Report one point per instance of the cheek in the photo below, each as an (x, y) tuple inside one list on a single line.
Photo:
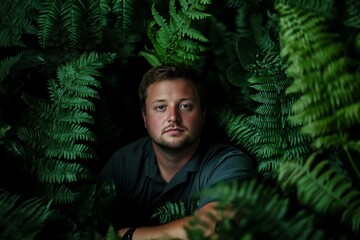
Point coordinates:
[(153, 122), (194, 120)]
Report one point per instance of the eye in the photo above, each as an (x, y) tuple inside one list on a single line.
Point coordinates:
[(160, 108), (186, 107)]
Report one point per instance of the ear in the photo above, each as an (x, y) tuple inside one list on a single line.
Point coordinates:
[(143, 114)]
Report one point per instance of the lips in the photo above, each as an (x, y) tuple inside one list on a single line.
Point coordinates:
[(174, 130)]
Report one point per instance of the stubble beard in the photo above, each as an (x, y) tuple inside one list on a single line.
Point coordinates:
[(174, 148)]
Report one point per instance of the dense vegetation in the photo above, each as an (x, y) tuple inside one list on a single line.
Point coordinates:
[(283, 76)]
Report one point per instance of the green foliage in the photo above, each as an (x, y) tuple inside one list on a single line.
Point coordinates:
[(5, 67), (176, 41), (172, 211), (112, 234), (16, 21), (325, 99), (266, 133), (324, 7), (85, 24), (261, 213), (291, 102), (21, 219), (316, 83), (332, 192), (352, 13), (63, 138)]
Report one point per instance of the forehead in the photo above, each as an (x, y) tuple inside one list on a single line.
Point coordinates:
[(172, 88)]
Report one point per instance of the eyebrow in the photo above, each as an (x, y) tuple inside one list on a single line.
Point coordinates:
[(179, 100)]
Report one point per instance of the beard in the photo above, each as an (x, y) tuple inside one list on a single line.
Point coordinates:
[(171, 147)]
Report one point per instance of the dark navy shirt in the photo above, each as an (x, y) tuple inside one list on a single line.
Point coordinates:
[(141, 190)]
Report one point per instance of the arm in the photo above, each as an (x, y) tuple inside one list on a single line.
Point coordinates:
[(176, 229)]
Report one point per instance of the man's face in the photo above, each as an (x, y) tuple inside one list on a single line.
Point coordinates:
[(173, 116)]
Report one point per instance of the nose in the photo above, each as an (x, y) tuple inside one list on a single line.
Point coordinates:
[(173, 114)]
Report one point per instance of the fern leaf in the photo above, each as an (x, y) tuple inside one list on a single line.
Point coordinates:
[(175, 40), (170, 211), (7, 64), (125, 12), (252, 203), (60, 194), (62, 172), (266, 133), (99, 11), (328, 89), (62, 139), (320, 187), (71, 14), (16, 21), (50, 12), (324, 7), (352, 18), (21, 219)]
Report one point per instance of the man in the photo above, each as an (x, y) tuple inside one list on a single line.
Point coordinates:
[(172, 164)]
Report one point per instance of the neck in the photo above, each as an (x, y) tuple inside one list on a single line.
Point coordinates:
[(170, 161)]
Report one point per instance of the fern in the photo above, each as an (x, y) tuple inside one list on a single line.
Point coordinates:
[(172, 211), (63, 137), (77, 24), (71, 14), (50, 12), (5, 66), (125, 13), (21, 219), (325, 190), (16, 21), (324, 7), (176, 41), (259, 213), (352, 13), (328, 106), (266, 134)]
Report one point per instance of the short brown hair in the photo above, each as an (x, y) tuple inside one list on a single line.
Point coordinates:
[(171, 72)]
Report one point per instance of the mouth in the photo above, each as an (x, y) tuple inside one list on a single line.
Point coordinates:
[(174, 130)]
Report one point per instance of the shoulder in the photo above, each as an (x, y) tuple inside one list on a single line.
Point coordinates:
[(127, 159), (213, 149), (222, 158), (141, 145)]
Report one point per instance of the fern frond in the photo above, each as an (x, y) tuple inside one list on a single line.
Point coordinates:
[(98, 17), (21, 219), (324, 7), (194, 9), (50, 12), (16, 21), (59, 194), (256, 204), (63, 137), (320, 187), (71, 14), (6, 64), (63, 150), (175, 40), (125, 14), (62, 172), (352, 17), (267, 133), (170, 211), (328, 89)]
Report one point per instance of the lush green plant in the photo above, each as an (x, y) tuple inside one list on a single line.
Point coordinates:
[(283, 80)]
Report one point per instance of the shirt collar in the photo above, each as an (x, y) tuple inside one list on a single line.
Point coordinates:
[(193, 165)]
